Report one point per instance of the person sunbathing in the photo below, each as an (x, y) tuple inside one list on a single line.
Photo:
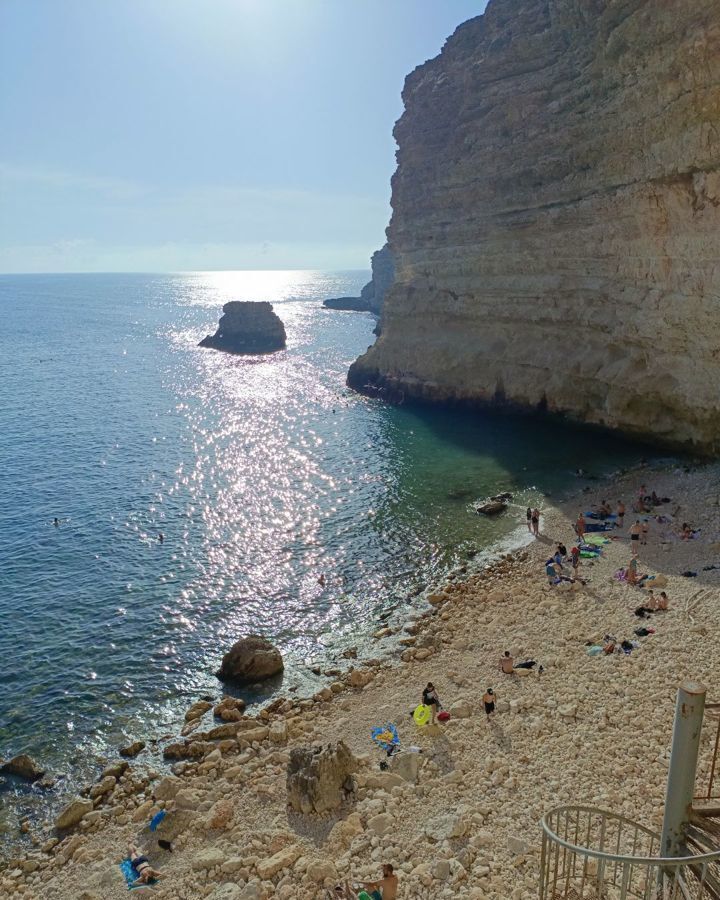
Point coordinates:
[(141, 865), (507, 663), (662, 602)]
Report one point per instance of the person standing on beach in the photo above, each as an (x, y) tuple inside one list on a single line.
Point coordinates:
[(489, 702), (536, 522), (644, 533), (575, 562), (528, 516), (621, 513), (635, 532), (580, 527), (431, 699)]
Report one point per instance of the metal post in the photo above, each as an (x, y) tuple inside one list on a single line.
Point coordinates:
[(689, 711)]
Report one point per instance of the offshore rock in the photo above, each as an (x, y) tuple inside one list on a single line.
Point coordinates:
[(556, 219), (250, 659), (247, 327), (317, 777)]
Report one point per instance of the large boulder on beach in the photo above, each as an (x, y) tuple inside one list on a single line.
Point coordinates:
[(72, 813), (247, 327), (318, 777), (23, 766), (252, 658)]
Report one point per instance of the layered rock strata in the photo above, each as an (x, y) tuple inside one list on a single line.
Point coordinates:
[(372, 296), (247, 327), (556, 219)]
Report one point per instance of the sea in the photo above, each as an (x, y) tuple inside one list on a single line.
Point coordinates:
[(261, 473)]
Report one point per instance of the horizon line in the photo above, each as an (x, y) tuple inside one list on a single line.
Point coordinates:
[(179, 271)]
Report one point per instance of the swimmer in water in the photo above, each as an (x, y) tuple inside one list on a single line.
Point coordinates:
[(321, 581), (56, 522), (161, 537)]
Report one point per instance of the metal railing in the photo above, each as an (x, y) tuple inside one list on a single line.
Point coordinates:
[(709, 772), (590, 854)]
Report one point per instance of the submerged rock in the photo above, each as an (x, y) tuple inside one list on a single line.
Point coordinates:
[(23, 766), (133, 749), (247, 327), (252, 658)]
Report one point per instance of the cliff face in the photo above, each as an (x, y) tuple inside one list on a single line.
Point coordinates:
[(383, 273), (372, 296), (556, 218)]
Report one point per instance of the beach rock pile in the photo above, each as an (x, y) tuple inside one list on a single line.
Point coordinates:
[(318, 779), (252, 658), (247, 327)]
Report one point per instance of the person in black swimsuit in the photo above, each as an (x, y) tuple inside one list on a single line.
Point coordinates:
[(141, 864), (489, 701)]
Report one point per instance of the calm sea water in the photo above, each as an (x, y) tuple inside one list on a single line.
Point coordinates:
[(261, 473)]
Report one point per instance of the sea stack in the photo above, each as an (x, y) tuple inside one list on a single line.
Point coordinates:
[(247, 327), (556, 219)]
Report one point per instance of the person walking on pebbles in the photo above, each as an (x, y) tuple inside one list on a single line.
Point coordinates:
[(535, 520), (489, 703), (580, 528)]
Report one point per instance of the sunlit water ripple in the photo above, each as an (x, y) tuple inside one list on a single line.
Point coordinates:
[(261, 472)]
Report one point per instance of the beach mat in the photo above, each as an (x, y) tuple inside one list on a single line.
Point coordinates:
[(597, 540), (598, 526), (130, 875)]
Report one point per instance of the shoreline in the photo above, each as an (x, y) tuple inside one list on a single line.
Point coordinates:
[(498, 780)]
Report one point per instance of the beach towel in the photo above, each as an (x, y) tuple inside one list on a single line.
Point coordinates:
[(598, 540), (595, 650), (157, 819), (130, 875), (598, 526)]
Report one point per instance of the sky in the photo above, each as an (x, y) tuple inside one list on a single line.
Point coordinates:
[(183, 135)]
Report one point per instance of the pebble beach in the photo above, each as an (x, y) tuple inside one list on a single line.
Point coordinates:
[(587, 729)]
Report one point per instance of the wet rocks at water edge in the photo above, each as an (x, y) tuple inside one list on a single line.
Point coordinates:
[(247, 327), (251, 659), (23, 766)]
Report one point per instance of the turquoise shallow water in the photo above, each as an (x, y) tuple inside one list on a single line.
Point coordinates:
[(261, 473)]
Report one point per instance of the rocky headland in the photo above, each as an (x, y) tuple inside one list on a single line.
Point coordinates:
[(372, 296), (286, 803), (556, 219), (247, 327)]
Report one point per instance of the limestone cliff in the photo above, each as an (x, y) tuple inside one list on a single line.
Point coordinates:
[(372, 296), (556, 218)]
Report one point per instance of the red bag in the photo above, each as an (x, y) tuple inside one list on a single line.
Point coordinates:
[(443, 716)]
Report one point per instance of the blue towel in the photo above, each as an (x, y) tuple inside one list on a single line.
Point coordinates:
[(157, 819), (130, 875)]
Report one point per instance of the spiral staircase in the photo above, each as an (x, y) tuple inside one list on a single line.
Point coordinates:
[(593, 854)]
